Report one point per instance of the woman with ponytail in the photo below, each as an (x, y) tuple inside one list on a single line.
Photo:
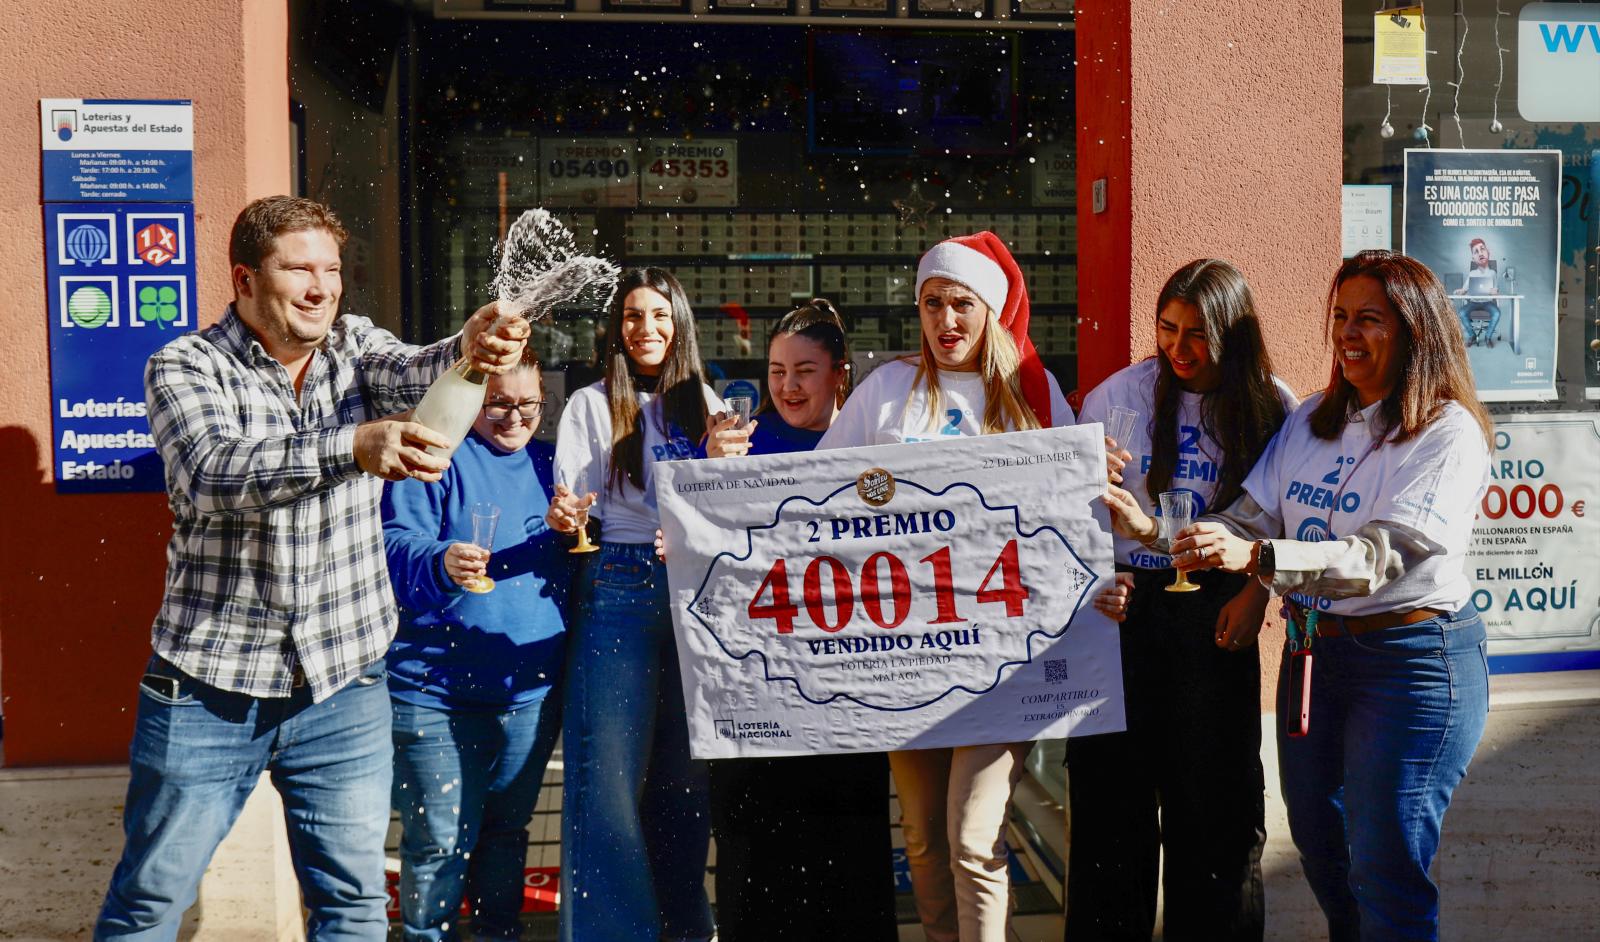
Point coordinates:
[(978, 374), (803, 849)]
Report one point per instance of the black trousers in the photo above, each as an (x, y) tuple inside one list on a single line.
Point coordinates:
[(803, 849), (1185, 778)]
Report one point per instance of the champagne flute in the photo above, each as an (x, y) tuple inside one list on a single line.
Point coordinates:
[(1177, 512), (585, 545), (485, 518)]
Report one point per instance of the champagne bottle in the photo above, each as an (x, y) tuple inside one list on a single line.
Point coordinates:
[(452, 403)]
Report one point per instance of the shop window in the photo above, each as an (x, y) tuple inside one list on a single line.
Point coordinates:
[(1504, 127)]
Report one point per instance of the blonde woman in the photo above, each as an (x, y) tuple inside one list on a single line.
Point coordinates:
[(978, 374)]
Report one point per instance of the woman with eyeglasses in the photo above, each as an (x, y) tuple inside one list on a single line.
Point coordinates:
[(472, 673)]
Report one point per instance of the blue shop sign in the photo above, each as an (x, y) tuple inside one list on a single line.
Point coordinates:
[(120, 280)]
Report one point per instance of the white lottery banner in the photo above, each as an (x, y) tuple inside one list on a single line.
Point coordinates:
[(893, 596)]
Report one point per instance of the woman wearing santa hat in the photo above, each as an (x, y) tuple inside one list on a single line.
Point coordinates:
[(978, 374)]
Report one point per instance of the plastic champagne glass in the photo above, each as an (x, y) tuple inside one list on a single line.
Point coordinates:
[(1177, 512), (1119, 425), (740, 406), (485, 518)]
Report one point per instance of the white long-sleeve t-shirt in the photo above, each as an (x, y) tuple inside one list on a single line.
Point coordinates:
[(627, 514)]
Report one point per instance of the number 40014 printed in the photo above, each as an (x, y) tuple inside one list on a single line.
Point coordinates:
[(893, 596)]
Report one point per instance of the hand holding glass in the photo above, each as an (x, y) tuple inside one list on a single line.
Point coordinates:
[(1119, 425), (485, 517), (584, 544), (1177, 512), (740, 406)]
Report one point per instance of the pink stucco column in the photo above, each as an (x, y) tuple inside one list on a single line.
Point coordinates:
[(1218, 127), (81, 576)]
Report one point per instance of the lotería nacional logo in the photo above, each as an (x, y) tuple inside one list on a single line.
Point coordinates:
[(730, 727), (876, 486)]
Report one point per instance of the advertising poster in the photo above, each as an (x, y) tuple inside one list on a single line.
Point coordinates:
[(1488, 222), (894, 596), (117, 180), (676, 172), (1367, 218), (585, 172), (1558, 63), (1055, 176), (497, 171), (1535, 556)]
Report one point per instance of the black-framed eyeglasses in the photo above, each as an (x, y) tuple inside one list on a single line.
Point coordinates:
[(529, 409)]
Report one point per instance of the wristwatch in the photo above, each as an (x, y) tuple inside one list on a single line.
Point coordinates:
[(1266, 562)]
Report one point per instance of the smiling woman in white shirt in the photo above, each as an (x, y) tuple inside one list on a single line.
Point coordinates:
[(1184, 779), (1361, 512), (978, 374), (636, 821)]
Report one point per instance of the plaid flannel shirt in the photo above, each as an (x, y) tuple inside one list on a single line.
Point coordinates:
[(276, 557)]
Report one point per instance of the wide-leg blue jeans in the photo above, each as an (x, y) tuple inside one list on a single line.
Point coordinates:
[(465, 784), (636, 823), (1395, 718), (196, 756)]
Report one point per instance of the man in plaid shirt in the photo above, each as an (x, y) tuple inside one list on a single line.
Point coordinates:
[(278, 425)]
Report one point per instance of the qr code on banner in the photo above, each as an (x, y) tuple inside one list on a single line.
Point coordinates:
[(1055, 672)]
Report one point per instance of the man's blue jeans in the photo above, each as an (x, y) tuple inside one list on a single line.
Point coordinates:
[(197, 754), (1395, 718), (465, 784), (637, 821)]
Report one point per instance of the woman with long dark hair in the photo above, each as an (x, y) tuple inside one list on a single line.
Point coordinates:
[(1185, 777), (635, 822), (803, 850), (1360, 512)]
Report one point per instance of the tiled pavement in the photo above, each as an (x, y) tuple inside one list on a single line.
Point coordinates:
[(1036, 889)]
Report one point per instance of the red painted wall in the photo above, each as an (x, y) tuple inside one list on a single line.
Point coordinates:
[(1105, 152), (81, 575)]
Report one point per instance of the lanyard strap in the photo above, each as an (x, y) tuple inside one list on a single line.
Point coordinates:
[(1300, 635)]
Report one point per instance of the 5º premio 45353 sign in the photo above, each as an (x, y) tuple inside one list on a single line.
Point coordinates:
[(898, 596)]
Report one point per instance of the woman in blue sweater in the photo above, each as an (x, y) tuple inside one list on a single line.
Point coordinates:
[(471, 674)]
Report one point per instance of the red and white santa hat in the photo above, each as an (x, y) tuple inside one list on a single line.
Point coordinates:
[(982, 263)]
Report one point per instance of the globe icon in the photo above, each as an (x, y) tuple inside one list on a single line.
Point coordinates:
[(89, 307), (88, 244)]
